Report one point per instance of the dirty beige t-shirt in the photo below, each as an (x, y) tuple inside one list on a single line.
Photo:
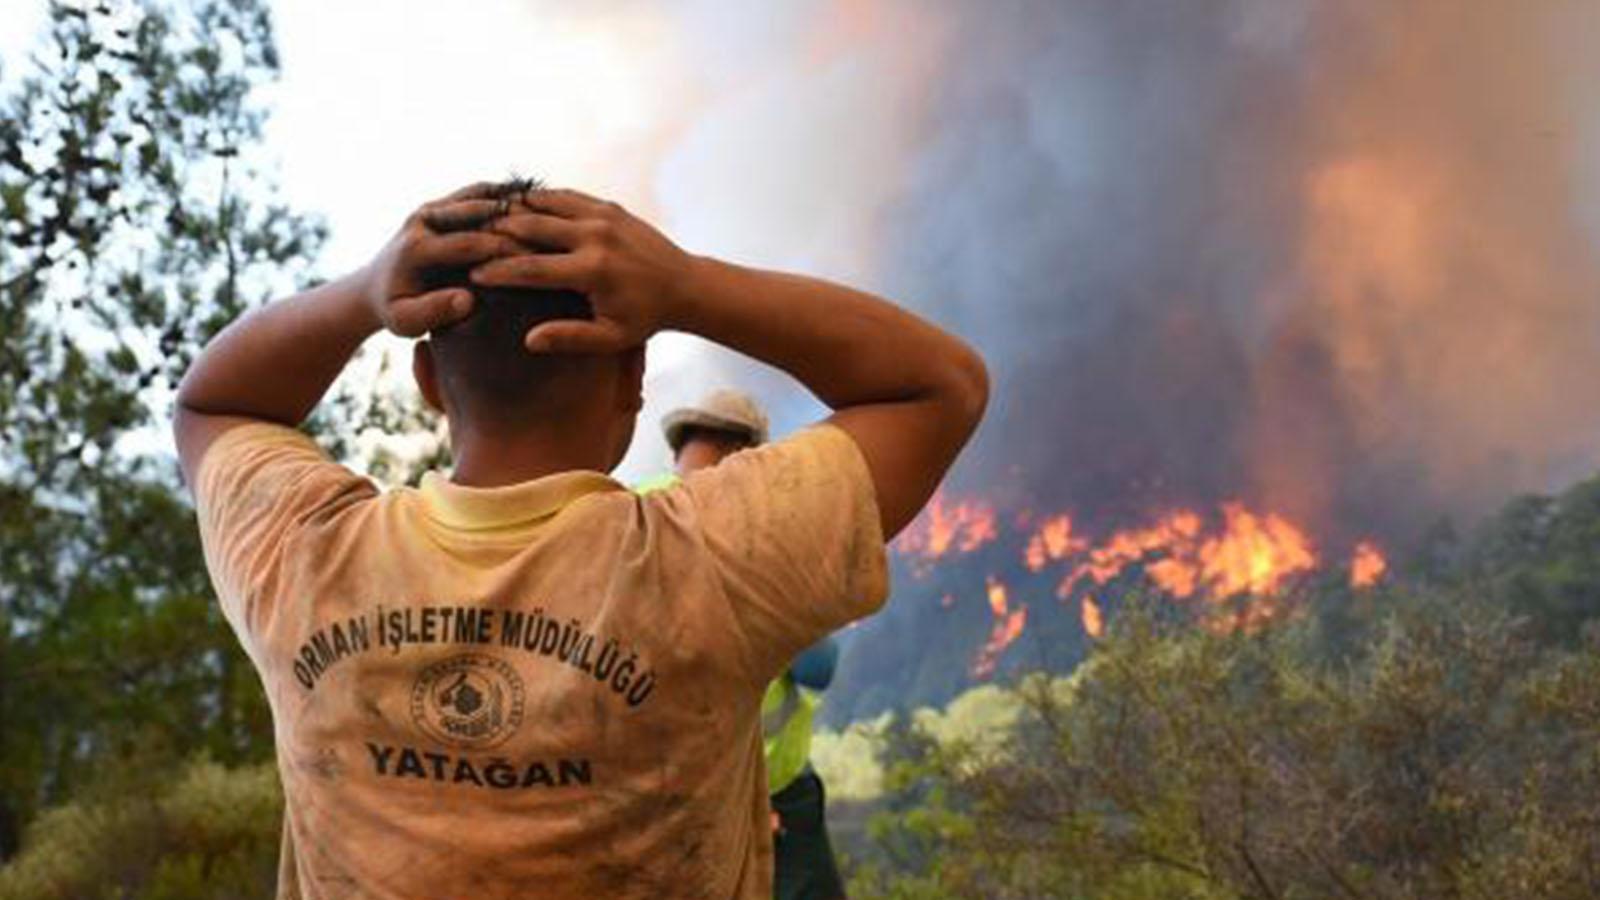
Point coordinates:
[(550, 689)]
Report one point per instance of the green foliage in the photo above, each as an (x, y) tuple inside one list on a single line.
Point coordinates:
[(1451, 756), (847, 760), (132, 233), (1537, 559), (205, 832), (137, 223)]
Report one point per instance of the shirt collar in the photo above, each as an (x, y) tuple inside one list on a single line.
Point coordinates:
[(481, 509)]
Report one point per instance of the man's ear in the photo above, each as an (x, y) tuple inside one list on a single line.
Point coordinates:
[(427, 375), (630, 387)]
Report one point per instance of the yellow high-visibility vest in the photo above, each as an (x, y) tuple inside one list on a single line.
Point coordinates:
[(787, 711), (656, 483)]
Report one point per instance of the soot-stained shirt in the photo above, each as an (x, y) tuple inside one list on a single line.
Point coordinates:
[(548, 689)]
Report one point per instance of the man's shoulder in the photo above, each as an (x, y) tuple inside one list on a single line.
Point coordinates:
[(261, 470)]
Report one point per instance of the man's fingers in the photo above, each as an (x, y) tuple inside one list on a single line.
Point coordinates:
[(416, 316), (540, 231), (563, 202), (535, 270), (576, 337), (478, 190), (464, 248), (460, 215)]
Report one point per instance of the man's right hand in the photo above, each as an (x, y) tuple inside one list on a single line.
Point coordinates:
[(631, 273)]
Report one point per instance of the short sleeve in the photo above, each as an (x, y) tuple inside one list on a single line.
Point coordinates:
[(257, 487), (794, 530)]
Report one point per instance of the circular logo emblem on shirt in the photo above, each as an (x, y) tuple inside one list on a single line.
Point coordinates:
[(472, 701)]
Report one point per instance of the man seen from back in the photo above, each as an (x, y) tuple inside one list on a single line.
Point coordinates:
[(520, 678)]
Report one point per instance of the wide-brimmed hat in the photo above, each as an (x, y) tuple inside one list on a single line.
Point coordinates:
[(723, 409)]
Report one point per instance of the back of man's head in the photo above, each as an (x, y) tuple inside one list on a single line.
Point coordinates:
[(488, 377), (479, 372)]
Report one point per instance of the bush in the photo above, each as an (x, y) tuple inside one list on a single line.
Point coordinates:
[(1450, 757), (207, 832)]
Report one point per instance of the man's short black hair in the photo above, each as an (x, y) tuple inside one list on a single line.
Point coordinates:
[(484, 370)]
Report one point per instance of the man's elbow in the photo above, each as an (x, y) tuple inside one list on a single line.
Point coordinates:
[(183, 405), (185, 397), (968, 387), (201, 394)]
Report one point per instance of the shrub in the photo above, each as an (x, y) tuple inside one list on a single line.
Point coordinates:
[(208, 831), (1449, 756)]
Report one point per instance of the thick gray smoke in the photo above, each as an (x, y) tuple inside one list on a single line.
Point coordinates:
[(1330, 258)]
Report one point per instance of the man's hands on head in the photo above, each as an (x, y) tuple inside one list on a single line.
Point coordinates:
[(632, 275)]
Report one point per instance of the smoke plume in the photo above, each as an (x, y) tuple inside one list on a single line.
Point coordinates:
[(1331, 259)]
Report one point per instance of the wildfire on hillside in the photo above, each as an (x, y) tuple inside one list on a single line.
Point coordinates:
[(1252, 554), (1235, 567), (1052, 542), (1367, 566), (1008, 626), (1094, 623), (946, 529)]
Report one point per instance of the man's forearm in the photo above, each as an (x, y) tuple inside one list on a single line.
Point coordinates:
[(908, 394), (848, 347), (277, 362)]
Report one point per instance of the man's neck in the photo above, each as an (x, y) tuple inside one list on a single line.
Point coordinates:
[(486, 461)]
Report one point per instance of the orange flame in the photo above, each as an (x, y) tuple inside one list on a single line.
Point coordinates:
[(997, 598), (1367, 565), (1052, 542), (1008, 626), (940, 529), (1094, 624), (1241, 566), (1173, 534), (1256, 555), (1253, 554)]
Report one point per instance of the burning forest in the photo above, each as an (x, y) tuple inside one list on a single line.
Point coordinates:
[(1233, 569), (1270, 290)]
